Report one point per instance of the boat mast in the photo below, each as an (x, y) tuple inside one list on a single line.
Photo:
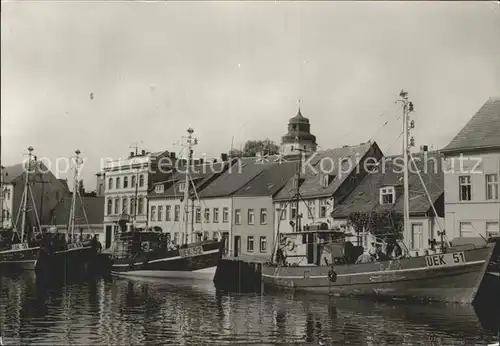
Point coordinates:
[(406, 148), (190, 142), (25, 194), (75, 191)]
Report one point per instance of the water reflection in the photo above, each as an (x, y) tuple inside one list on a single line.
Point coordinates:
[(158, 312)]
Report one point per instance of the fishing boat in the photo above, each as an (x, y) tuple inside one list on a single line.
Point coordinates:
[(63, 254), (321, 259), (18, 249), (149, 253)]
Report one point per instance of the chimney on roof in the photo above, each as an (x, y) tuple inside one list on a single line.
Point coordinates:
[(201, 161), (131, 154), (143, 152), (223, 157), (424, 148), (172, 156)]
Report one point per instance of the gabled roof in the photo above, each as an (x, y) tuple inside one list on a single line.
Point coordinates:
[(330, 161), (270, 181), (13, 172), (10, 173), (241, 172), (94, 208), (481, 132), (366, 196), (200, 175)]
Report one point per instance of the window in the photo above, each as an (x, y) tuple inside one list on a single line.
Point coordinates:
[(140, 206), (250, 243), (117, 182), (323, 208), (207, 215), (57, 195), (387, 195), (141, 180), (326, 180), (225, 215), (263, 244), (198, 215), (132, 206), (216, 215), (152, 217), (206, 234), (125, 182), (124, 205), (160, 213), (263, 216), (117, 206), (282, 211), (417, 236), (132, 182), (492, 229), (110, 184), (466, 229), (176, 237), (159, 188), (237, 217), (182, 186), (110, 207), (311, 209), (167, 213), (464, 188), (177, 212), (491, 186), (293, 212), (251, 217)]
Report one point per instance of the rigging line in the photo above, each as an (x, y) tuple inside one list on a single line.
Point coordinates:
[(34, 207), (386, 122), (390, 146), (84, 212)]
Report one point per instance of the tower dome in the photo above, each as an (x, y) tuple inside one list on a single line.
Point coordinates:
[(298, 136)]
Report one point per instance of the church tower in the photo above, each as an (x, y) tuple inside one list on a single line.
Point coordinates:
[(298, 136)]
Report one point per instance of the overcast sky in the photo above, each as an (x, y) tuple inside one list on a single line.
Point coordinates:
[(238, 69)]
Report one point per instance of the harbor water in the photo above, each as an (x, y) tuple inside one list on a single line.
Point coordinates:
[(154, 312)]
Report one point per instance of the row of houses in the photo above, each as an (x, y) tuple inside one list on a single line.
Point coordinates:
[(247, 199)]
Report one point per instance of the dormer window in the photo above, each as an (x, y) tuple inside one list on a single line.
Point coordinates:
[(326, 180), (387, 195), (297, 183), (159, 188), (182, 186)]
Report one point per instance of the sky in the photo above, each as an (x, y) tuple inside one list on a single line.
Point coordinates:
[(235, 71)]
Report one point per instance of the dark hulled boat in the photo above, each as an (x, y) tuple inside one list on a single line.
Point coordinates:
[(63, 255), (453, 276), (20, 256), (19, 249), (142, 253)]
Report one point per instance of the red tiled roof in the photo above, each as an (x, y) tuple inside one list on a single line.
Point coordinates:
[(481, 132)]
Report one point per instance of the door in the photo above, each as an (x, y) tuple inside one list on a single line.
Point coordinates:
[(417, 236), (109, 232), (310, 248), (237, 245)]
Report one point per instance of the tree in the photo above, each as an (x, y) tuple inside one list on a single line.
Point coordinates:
[(235, 153), (384, 224), (251, 148)]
